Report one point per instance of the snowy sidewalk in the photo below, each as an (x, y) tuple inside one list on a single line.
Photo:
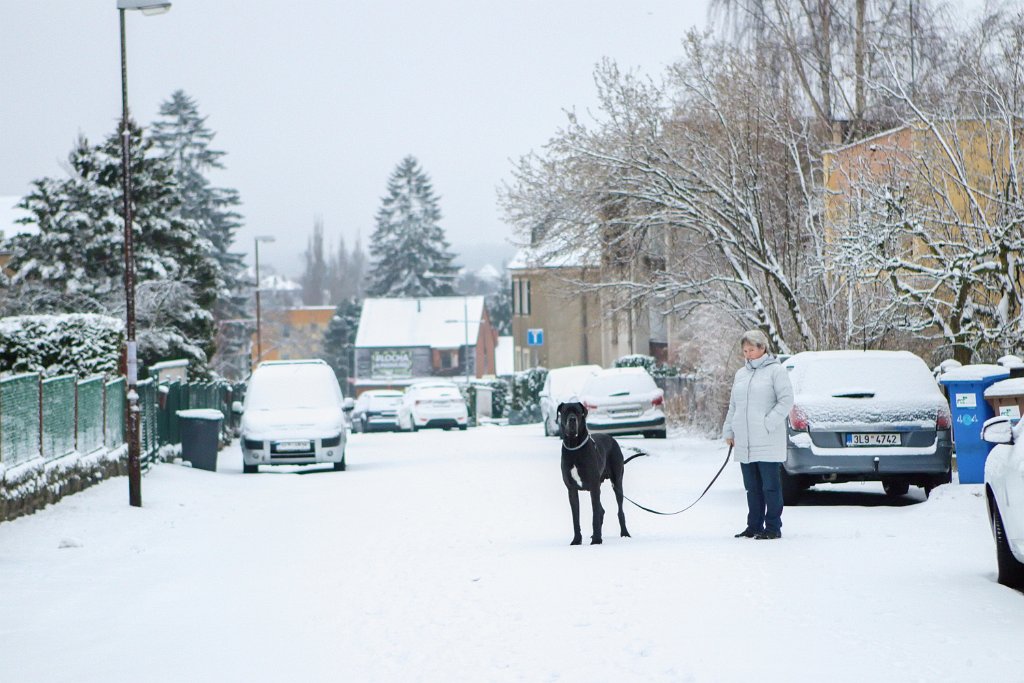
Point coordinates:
[(444, 556)]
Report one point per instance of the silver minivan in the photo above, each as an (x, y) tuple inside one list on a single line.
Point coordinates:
[(293, 414)]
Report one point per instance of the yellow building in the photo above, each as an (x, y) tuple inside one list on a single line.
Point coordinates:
[(293, 333)]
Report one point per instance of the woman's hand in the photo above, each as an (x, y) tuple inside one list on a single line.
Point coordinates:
[(731, 442)]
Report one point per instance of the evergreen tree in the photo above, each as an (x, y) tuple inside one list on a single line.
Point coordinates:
[(340, 338), (182, 136), (77, 254), (315, 277), (499, 306), (338, 273), (410, 254)]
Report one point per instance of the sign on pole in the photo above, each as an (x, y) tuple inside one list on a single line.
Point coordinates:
[(535, 337)]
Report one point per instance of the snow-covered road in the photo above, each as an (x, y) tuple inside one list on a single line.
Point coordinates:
[(444, 556)]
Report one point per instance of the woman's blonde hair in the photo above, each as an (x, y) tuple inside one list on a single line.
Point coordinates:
[(755, 338)]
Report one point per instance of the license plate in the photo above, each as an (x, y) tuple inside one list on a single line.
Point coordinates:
[(889, 439), (293, 446)]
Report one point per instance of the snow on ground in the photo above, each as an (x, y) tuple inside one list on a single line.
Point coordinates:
[(444, 556)]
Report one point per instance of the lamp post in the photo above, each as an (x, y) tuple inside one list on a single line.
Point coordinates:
[(259, 338), (131, 355)]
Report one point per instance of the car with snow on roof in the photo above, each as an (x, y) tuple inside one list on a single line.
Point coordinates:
[(1004, 496), (432, 404), (376, 410), (623, 401), (865, 416), (293, 414), (561, 385)]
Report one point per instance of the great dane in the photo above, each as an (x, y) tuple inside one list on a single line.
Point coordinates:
[(587, 460)]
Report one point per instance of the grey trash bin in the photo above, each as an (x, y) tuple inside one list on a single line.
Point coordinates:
[(200, 437)]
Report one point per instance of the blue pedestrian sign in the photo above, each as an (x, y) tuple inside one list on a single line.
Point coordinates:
[(535, 337)]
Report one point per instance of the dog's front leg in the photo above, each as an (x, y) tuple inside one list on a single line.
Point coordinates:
[(574, 503), (595, 502)]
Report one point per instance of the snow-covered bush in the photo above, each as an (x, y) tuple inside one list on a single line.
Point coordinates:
[(81, 344), (525, 404), (648, 363)]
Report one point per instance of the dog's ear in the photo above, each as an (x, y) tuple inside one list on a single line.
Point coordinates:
[(558, 411), (584, 407)]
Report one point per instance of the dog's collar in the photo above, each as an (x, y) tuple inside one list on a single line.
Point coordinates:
[(582, 444)]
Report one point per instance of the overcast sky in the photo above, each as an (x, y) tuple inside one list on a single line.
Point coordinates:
[(315, 102)]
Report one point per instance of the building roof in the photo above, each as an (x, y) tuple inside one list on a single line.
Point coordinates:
[(436, 322), (553, 254)]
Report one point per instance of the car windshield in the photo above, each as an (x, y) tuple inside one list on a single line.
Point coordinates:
[(866, 377), (286, 387), (619, 384), (437, 392)]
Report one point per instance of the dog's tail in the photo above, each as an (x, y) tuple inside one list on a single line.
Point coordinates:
[(637, 454)]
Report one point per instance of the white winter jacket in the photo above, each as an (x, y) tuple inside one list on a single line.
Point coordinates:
[(761, 399)]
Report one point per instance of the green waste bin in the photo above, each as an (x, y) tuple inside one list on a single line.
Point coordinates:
[(200, 436)]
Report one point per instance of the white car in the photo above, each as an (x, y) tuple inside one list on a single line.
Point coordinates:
[(293, 414), (1004, 494), (376, 410), (562, 385), (624, 401), (432, 404)]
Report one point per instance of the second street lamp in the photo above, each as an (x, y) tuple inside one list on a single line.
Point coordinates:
[(259, 331), (131, 352)]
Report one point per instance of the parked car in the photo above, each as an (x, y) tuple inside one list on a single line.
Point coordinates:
[(562, 385), (624, 401), (432, 404), (865, 416), (1004, 496), (293, 414), (376, 411)]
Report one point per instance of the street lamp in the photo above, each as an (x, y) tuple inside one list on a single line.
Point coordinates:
[(259, 338), (131, 355)]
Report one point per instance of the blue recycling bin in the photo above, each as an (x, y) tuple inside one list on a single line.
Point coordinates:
[(966, 387)]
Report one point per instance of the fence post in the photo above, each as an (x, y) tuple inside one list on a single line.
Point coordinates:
[(40, 385)]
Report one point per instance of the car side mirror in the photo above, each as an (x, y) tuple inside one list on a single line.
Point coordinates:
[(348, 405), (236, 407), (998, 430)]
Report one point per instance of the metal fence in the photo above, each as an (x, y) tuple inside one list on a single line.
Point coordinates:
[(54, 417)]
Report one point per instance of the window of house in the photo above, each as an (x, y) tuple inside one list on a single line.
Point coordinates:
[(449, 360), (528, 302)]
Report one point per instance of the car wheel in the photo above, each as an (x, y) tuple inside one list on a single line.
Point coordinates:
[(412, 426), (894, 488), (340, 466), (936, 482), (250, 469), (663, 434), (463, 428), (547, 427), (1011, 572), (792, 488)]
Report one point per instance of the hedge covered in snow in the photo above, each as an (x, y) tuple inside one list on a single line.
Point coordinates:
[(82, 344)]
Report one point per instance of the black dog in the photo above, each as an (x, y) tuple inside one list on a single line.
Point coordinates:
[(587, 460)]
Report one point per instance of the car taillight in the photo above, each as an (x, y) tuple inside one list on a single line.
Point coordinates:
[(589, 406), (943, 420), (658, 401), (418, 402), (798, 419)]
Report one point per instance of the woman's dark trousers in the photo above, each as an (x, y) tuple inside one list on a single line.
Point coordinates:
[(762, 480)]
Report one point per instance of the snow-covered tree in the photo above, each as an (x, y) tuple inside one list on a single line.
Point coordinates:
[(340, 338), (346, 272), (410, 255), (182, 135), (77, 253)]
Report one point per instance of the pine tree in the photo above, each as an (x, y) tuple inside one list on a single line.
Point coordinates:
[(314, 277), (340, 338), (338, 272), (182, 135), (77, 254), (410, 254)]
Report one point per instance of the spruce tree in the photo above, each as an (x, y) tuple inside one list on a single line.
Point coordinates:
[(410, 254), (182, 135)]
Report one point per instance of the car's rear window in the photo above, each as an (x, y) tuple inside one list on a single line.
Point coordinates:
[(569, 380), (385, 401), (879, 376), (609, 385)]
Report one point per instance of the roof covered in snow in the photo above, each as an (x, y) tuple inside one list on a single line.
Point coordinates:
[(554, 254), (436, 322), (278, 283)]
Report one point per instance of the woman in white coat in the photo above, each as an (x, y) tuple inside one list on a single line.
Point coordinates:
[(756, 429)]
